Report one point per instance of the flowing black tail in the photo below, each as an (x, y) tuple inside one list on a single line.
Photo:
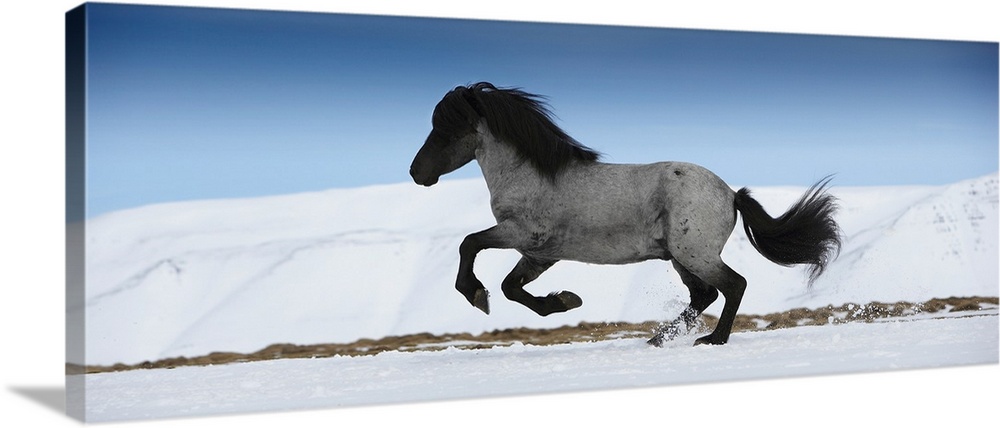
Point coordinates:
[(805, 234)]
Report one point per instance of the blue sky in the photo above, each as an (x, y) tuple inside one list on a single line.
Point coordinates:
[(195, 103)]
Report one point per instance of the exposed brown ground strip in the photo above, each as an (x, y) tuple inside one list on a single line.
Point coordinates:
[(583, 332)]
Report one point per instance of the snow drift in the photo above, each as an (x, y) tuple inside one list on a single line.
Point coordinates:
[(186, 279)]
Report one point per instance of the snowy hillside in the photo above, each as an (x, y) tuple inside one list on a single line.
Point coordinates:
[(190, 278)]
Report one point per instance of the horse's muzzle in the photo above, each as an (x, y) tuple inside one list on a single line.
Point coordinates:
[(422, 178), (426, 182)]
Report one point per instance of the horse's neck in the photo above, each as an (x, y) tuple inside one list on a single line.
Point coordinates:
[(504, 170)]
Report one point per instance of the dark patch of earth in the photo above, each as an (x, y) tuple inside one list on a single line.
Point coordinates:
[(583, 332)]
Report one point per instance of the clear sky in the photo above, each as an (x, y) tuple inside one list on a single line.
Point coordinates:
[(195, 103)]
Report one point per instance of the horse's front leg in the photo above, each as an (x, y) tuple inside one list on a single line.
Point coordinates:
[(498, 236)]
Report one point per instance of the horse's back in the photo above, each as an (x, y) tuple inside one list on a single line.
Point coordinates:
[(690, 186), (679, 187)]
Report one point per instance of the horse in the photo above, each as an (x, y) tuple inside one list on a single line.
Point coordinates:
[(554, 199)]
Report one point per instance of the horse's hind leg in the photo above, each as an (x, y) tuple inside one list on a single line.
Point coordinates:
[(702, 295), (526, 270), (731, 285)]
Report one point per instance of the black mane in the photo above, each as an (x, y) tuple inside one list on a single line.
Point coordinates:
[(525, 122)]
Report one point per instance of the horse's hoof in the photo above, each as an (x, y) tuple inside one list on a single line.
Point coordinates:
[(569, 299), (657, 340), (481, 300), (709, 340)]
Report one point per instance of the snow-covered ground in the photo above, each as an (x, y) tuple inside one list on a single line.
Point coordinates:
[(395, 377), (191, 278)]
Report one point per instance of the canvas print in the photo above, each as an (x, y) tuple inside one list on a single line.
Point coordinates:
[(273, 211)]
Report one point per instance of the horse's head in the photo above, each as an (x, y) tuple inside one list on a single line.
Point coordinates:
[(511, 116), (453, 139)]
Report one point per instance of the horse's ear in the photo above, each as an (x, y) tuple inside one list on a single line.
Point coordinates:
[(468, 103)]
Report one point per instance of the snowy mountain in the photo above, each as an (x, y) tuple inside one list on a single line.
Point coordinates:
[(190, 278)]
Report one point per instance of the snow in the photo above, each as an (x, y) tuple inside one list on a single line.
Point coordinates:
[(392, 377), (187, 279)]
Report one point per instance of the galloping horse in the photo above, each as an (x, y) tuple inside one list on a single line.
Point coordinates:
[(554, 200)]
